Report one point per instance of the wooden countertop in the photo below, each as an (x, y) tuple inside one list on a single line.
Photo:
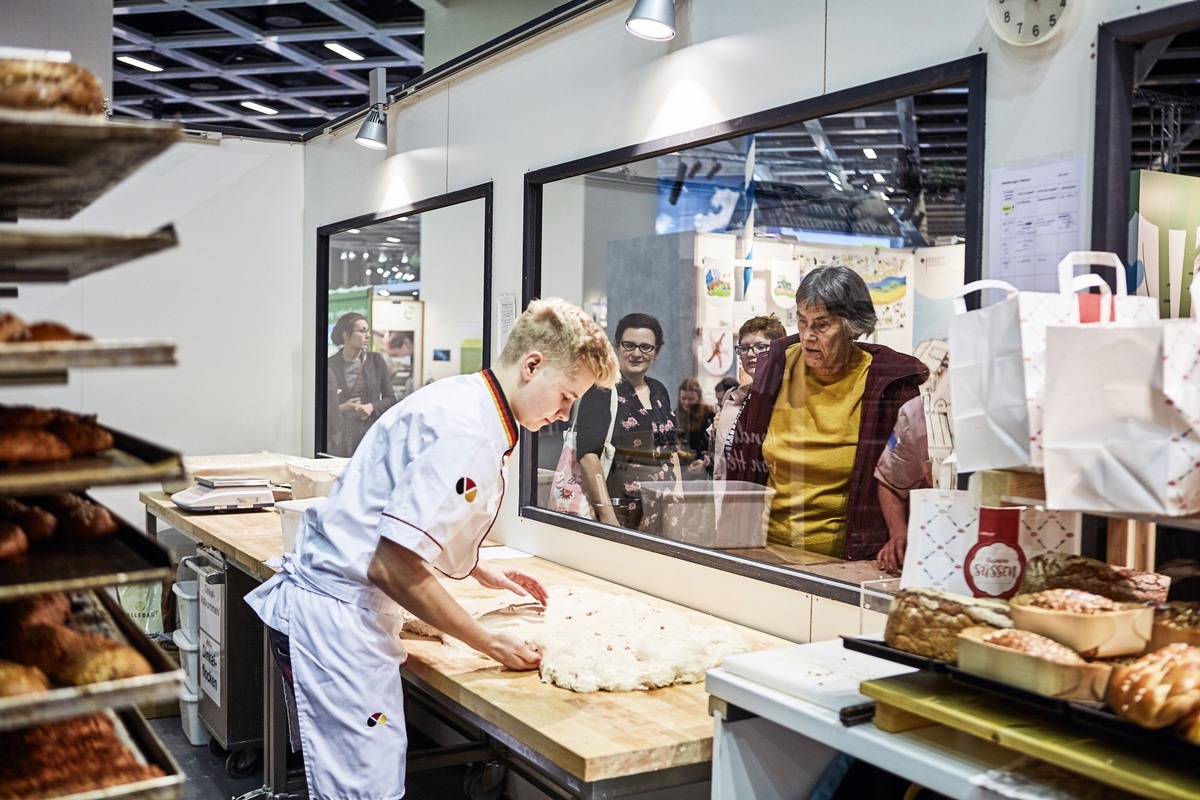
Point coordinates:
[(594, 736)]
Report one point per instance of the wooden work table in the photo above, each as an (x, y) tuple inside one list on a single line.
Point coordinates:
[(582, 740)]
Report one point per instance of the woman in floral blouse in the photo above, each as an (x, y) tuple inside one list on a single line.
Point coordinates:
[(644, 436)]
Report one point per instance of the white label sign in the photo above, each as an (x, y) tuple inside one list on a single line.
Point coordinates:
[(212, 598), (210, 667)]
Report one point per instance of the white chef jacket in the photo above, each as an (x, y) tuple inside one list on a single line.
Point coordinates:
[(430, 476)]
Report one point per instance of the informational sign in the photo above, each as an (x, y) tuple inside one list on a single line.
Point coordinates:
[(210, 667), (1036, 218), (212, 599), (507, 306)]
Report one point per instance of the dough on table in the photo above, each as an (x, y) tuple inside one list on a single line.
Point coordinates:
[(592, 640)]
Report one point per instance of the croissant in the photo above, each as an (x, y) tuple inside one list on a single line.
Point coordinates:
[(1160, 689)]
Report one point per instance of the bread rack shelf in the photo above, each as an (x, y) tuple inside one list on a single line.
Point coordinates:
[(53, 165), (28, 709), (52, 257), (27, 363), (129, 460)]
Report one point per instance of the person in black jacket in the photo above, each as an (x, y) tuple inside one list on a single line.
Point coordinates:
[(359, 385)]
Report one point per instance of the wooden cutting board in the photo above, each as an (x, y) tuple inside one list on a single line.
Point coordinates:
[(593, 736)]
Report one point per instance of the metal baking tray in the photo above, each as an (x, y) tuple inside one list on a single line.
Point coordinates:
[(129, 556), (54, 257), (881, 649), (165, 684), (53, 165), (137, 735), (130, 460), (29, 363)]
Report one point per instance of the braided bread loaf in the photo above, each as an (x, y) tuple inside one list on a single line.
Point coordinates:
[(1160, 690)]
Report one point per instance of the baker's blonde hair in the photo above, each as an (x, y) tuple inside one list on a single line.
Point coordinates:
[(566, 336)]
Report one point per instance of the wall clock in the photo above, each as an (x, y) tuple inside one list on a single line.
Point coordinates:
[(1024, 22)]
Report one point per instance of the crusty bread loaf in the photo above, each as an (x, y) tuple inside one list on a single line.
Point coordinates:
[(1072, 600), (1176, 621), (79, 519), (30, 444), (1058, 571), (74, 658), (18, 679), (927, 621), (51, 608), (1160, 690), (29, 85)]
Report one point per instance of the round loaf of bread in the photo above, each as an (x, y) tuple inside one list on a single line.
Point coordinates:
[(28, 85)]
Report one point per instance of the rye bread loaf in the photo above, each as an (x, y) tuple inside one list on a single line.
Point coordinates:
[(926, 622), (1058, 571)]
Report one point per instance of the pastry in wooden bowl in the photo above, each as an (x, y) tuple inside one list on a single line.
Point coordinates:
[(926, 622), (1060, 571), (1091, 625), (1161, 689), (1176, 621), (1032, 662)]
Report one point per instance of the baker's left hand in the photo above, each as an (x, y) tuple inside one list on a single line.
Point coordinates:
[(514, 580)]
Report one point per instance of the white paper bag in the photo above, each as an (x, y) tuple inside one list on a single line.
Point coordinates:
[(1119, 306), (943, 525), (997, 374), (1121, 418)]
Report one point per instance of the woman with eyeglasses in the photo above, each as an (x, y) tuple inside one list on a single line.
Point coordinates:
[(359, 385), (644, 435), (754, 340), (822, 408)]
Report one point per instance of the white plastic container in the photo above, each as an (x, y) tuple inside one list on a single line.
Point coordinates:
[(313, 477), (290, 512), (189, 718), (187, 608), (189, 659), (715, 514)]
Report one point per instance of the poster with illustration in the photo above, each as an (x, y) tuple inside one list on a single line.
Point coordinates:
[(718, 282), (716, 349), (785, 278)]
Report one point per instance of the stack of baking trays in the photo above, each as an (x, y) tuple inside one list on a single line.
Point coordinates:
[(73, 666)]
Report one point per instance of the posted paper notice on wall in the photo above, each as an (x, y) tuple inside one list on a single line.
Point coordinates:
[(1035, 218)]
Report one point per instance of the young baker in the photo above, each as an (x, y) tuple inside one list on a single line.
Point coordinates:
[(420, 494)]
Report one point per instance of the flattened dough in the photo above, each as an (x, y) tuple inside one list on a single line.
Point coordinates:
[(592, 640)]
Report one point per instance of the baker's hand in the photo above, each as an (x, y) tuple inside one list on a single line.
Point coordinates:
[(891, 556), (512, 579), (513, 652)]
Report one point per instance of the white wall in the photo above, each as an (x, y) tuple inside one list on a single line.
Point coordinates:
[(590, 87)]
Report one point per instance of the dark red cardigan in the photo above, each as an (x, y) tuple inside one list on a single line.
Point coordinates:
[(892, 380)]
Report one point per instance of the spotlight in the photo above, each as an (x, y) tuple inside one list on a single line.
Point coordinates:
[(713, 170), (652, 19), (373, 133)]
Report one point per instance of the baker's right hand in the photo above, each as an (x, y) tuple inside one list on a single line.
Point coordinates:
[(513, 652)]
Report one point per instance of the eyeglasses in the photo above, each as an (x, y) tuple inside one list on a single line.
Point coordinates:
[(758, 349), (646, 349)]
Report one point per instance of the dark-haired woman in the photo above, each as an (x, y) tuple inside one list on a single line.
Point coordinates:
[(359, 386), (644, 435)]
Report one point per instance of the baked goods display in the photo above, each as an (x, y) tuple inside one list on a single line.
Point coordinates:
[(31, 85), (1160, 690), (16, 679), (1059, 571), (1030, 661), (1176, 621), (926, 622), (31, 435), (58, 518), (1091, 625), (67, 757)]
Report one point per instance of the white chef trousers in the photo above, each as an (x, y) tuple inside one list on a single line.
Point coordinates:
[(349, 701)]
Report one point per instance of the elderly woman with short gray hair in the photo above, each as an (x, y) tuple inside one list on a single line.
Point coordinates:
[(822, 408)]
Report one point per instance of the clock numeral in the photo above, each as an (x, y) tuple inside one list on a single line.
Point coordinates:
[(1007, 17), (1053, 20), (1019, 26), (1035, 31)]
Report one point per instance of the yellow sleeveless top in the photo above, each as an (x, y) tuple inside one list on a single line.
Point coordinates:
[(809, 452)]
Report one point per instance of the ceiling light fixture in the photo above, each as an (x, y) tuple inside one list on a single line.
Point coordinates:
[(343, 51), (652, 19), (137, 62), (869, 152), (373, 133), (259, 107), (878, 178)]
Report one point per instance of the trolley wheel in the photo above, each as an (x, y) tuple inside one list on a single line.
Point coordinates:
[(484, 781), (243, 763)]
